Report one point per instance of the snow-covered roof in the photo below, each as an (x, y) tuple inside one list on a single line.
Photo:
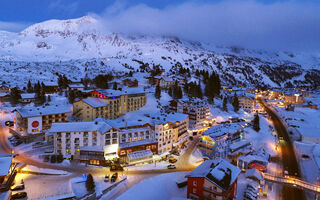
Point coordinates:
[(5, 164), (43, 110), (140, 154), (254, 173), (152, 119), (95, 102), (100, 126), (124, 91), (131, 130), (260, 155), (28, 95), (137, 143), (76, 85), (236, 145), (3, 94), (217, 171), (167, 79), (221, 129)]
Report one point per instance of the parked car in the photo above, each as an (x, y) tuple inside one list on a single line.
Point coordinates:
[(19, 195), (171, 166), (114, 177), (172, 160), (106, 178), (9, 123), (18, 187)]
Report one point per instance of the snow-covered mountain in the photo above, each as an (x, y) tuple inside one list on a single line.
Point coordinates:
[(81, 46)]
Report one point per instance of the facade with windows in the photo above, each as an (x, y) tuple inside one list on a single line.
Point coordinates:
[(197, 111), (31, 122), (246, 103), (96, 139), (106, 105), (213, 179)]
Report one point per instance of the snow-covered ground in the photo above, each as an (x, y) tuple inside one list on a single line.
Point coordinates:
[(158, 188), (30, 168)]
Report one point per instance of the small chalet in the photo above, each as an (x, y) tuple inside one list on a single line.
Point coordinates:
[(213, 179), (130, 82), (4, 89)]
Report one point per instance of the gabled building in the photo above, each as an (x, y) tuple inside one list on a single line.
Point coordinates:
[(197, 111), (4, 89), (90, 142), (31, 122), (118, 102), (28, 97), (246, 103), (77, 87), (50, 88), (166, 82), (7, 171), (213, 179), (215, 142), (130, 82), (90, 108)]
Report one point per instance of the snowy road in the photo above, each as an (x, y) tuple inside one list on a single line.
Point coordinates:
[(289, 161)]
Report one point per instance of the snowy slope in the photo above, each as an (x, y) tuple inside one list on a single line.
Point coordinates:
[(78, 46)]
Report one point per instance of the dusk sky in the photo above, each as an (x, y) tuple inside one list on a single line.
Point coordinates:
[(263, 24)]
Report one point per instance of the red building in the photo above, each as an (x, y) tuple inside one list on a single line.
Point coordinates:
[(213, 179)]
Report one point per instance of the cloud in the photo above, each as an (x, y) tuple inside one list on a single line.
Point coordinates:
[(288, 25), (13, 26)]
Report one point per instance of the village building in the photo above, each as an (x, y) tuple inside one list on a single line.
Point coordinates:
[(7, 171), (4, 89), (246, 103), (90, 142), (76, 87), (166, 82), (295, 99), (213, 179), (50, 88), (130, 82), (28, 97), (109, 104), (31, 122), (215, 142), (197, 111)]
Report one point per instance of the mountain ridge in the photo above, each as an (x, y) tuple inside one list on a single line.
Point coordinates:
[(79, 41)]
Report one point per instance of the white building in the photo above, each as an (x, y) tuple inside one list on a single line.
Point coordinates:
[(97, 137), (197, 111)]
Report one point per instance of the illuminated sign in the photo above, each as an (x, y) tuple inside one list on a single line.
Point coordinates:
[(35, 124)]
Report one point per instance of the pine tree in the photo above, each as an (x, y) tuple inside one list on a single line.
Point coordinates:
[(235, 103), (224, 106), (157, 93), (256, 123), (90, 183), (29, 87), (170, 92), (71, 96), (115, 85), (15, 95)]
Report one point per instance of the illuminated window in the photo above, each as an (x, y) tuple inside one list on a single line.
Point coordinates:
[(194, 190)]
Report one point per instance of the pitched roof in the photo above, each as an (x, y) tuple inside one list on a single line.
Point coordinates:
[(28, 95), (43, 110), (95, 102), (102, 127), (5, 163), (220, 172)]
